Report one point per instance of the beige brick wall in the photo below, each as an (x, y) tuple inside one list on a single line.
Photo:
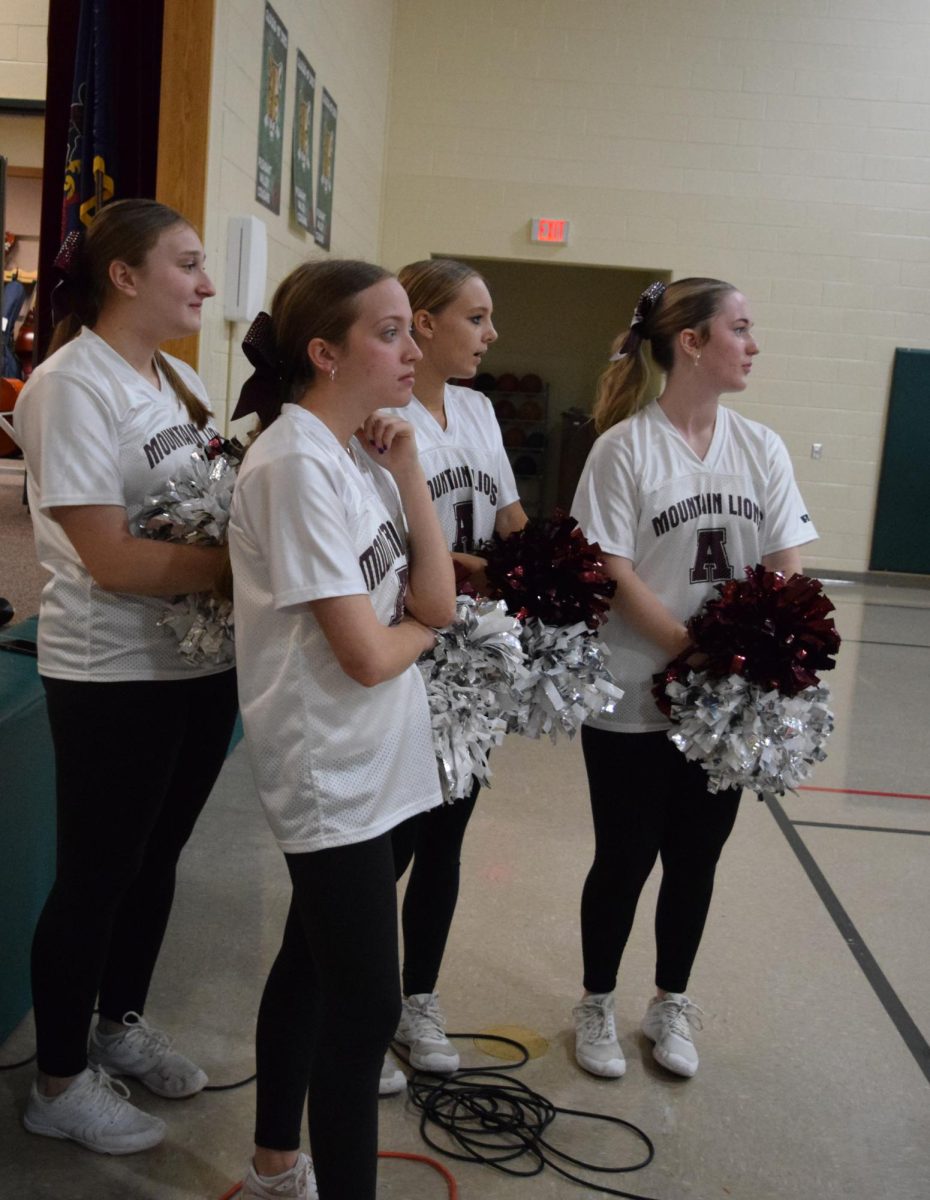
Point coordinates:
[(782, 145), (23, 49), (348, 44)]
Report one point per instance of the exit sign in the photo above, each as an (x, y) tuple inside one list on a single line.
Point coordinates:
[(546, 229)]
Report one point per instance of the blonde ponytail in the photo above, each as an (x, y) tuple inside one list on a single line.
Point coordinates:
[(621, 389)]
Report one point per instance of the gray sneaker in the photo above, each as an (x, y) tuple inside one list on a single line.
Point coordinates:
[(597, 1049), (422, 1029), (393, 1081), (299, 1183), (668, 1023), (145, 1054), (94, 1112)]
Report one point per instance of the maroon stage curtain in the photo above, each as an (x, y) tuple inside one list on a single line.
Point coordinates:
[(134, 86)]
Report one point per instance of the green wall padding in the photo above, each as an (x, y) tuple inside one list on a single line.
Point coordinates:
[(901, 538)]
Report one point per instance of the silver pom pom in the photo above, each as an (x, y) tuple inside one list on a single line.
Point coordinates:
[(203, 626), (566, 680), (194, 510), (194, 507), (748, 738), (470, 677)]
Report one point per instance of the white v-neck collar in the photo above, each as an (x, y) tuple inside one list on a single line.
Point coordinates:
[(446, 407), (716, 441), (126, 366)]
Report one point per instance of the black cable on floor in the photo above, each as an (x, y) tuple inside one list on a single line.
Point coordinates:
[(13, 1066), (496, 1120), (211, 1087), (228, 1087)]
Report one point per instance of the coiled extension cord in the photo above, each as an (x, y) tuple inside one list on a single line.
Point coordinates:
[(496, 1120)]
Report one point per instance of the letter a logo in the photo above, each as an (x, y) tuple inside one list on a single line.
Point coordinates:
[(711, 564), (464, 527)]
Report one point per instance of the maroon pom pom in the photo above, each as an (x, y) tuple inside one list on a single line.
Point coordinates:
[(773, 631), (549, 571)]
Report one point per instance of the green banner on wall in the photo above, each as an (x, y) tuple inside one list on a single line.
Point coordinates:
[(301, 151), (271, 114), (327, 171)]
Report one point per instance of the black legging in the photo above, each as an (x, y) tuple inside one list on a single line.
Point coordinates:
[(134, 764), (329, 1010), (434, 841), (647, 799)]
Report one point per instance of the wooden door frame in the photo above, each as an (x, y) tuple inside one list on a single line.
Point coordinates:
[(184, 121)]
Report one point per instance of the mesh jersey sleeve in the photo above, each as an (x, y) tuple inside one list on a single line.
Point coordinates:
[(787, 522), (78, 440), (295, 513), (606, 503), (509, 492)]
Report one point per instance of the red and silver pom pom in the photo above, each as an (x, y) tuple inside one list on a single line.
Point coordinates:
[(754, 712), (553, 580)]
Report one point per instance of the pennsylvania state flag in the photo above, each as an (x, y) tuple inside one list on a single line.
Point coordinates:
[(89, 165)]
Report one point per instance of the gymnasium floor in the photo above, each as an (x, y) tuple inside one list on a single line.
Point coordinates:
[(814, 976)]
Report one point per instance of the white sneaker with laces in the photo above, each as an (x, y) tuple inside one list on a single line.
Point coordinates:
[(95, 1112), (597, 1049), (422, 1029), (668, 1022), (299, 1183), (145, 1054), (393, 1080)]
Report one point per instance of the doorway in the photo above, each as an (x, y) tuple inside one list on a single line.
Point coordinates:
[(555, 321)]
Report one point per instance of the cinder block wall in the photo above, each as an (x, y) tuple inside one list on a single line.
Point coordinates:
[(23, 37), (784, 146), (23, 25), (348, 44)]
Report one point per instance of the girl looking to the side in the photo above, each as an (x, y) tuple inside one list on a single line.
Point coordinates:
[(682, 494), (336, 590), (139, 734), (474, 493)]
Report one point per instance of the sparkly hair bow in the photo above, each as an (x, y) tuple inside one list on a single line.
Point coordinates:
[(262, 392), (641, 313), (67, 264)]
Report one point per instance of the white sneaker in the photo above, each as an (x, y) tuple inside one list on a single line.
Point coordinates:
[(596, 1046), (393, 1080), (95, 1112), (668, 1023), (145, 1054), (422, 1029), (299, 1183)]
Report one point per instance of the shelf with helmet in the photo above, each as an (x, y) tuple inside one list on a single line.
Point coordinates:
[(521, 404)]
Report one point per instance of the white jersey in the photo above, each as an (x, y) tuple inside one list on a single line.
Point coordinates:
[(467, 470), (686, 524), (94, 431), (335, 762)]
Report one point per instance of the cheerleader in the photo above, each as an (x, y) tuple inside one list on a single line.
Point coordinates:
[(336, 590), (139, 734), (472, 487), (682, 494)]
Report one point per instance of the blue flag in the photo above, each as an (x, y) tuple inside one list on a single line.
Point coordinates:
[(89, 166)]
